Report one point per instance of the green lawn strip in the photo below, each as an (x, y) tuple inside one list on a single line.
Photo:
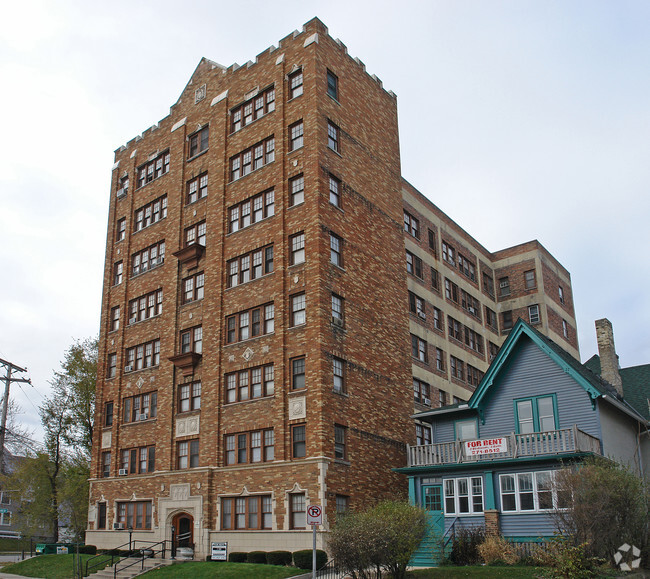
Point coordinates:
[(47, 566), (477, 571), (218, 570)]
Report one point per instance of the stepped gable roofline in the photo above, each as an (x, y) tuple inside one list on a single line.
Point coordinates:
[(594, 385), (313, 27)]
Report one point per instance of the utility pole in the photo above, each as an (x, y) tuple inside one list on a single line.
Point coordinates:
[(9, 368)]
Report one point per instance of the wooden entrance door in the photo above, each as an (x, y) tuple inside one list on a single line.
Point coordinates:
[(184, 530)]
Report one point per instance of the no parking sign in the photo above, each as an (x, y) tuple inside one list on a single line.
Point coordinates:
[(314, 515)]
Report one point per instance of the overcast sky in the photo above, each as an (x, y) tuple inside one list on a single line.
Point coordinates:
[(520, 119)]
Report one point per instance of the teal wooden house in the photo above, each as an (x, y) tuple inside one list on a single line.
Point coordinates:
[(492, 461)]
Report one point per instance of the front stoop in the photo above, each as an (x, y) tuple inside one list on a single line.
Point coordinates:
[(149, 564)]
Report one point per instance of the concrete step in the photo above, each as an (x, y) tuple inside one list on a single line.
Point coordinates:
[(133, 571)]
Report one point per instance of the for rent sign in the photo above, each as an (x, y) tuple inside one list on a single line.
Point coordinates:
[(486, 446)]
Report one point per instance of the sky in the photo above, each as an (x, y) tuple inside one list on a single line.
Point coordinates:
[(521, 119)]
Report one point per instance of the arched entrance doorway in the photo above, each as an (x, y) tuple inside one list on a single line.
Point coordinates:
[(183, 530)]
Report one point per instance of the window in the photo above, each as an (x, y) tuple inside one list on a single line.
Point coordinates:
[(340, 450), (466, 268), (146, 306), (440, 360), (488, 284), (106, 464), (336, 250), (529, 279), (457, 368), (470, 304), (335, 191), (197, 188), (463, 495), (560, 293), (504, 286), (192, 340), (455, 329), (153, 169), (333, 137), (150, 213), (432, 241), (250, 383), (451, 291), (240, 216), (435, 279), (298, 519), (296, 190), (140, 407), (135, 514), (332, 85), (413, 264), (108, 414), (530, 491), (537, 414), (189, 396), (118, 270), (298, 443), (473, 340), (494, 350), (448, 254), (337, 310), (296, 134), (143, 356), (188, 454), (342, 504), (297, 248), (123, 187), (490, 318), (533, 314), (193, 288), (138, 460), (253, 109), (474, 376), (443, 397), (298, 310), (295, 84), (417, 305), (411, 225), (250, 323), (421, 392), (101, 515), (111, 364), (115, 318), (247, 513), (250, 447), (298, 373), (437, 319), (250, 266), (419, 349), (198, 142), (149, 258), (338, 371), (506, 320), (121, 229), (422, 434), (254, 157), (565, 329)]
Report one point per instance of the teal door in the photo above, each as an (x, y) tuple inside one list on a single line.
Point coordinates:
[(429, 552)]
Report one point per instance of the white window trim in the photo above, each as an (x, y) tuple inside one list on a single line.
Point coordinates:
[(535, 509), (470, 495)]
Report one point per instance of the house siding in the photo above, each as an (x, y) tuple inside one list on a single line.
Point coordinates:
[(620, 437)]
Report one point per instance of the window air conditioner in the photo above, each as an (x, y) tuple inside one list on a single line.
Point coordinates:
[(337, 321), (121, 192), (144, 416), (118, 526), (427, 401), (122, 472), (422, 315), (160, 260), (133, 320), (128, 368)]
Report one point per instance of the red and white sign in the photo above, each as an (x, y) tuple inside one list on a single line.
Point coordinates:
[(486, 446), (314, 515)]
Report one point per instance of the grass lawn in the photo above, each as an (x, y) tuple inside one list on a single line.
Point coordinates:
[(47, 566), (208, 570)]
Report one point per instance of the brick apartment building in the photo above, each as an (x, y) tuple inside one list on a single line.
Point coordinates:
[(257, 354)]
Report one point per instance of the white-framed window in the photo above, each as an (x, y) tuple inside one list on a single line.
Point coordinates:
[(526, 492), (466, 429), (565, 329), (533, 314), (463, 496)]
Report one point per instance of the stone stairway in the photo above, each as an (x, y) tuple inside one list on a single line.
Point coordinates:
[(133, 571)]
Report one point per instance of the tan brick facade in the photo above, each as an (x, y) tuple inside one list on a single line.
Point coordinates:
[(241, 447)]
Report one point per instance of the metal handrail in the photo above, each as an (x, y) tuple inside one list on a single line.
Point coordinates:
[(140, 559), (105, 554)]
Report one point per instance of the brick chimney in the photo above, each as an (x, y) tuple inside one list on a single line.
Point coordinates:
[(607, 353)]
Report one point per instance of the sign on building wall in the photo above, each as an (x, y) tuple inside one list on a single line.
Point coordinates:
[(486, 446)]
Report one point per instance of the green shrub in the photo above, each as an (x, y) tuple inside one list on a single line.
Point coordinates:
[(236, 557), (256, 557), (88, 549), (279, 558), (303, 559), (571, 561), (464, 548)]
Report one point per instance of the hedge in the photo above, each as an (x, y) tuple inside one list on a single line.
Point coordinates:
[(236, 557), (303, 559), (279, 558)]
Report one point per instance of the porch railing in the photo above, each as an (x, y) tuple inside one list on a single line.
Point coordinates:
[(548, 443)]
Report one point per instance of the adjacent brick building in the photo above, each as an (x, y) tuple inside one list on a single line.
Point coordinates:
[(256, 351)]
